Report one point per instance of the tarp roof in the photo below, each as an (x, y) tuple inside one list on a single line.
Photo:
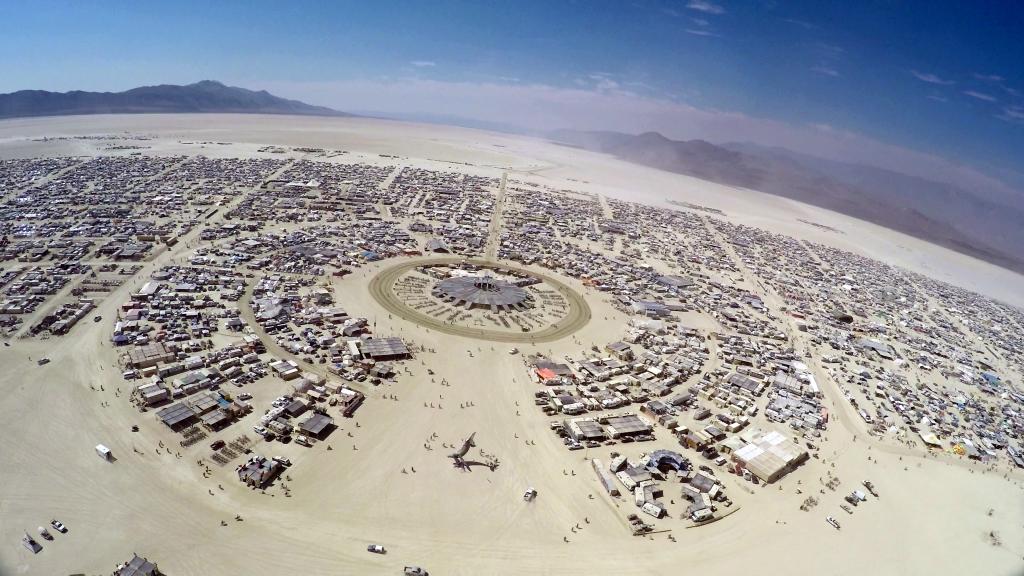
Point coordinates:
[(175, 414), (316, 424), (546, 373), (384, 347)]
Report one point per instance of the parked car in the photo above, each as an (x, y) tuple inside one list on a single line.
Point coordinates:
[(304, 440), (376, 549), (415, 571), (58, 526), (217, 445)]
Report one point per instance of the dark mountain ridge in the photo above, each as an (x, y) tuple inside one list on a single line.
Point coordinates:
[(207, 96)]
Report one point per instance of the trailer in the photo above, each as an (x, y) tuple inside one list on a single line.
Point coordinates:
[(701, 515), (605, 477), (653, 509), (638, 496), (628, 482)]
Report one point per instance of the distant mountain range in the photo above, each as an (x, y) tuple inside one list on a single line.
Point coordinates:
[(969, 222), (205, 96)]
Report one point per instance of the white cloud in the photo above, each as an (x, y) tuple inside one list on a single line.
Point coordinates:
[(423, 63), (603, 82), (980, 95), (705, 7), (700, 32), (826, 71), (828, 50), (931, 78), (801, 23), (543, 108), (989, 77), (999, 82), (1013, 114)]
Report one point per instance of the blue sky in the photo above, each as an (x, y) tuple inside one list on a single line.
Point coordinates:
[(936, 86)]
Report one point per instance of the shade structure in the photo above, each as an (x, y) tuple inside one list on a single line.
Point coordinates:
[(481, 291)]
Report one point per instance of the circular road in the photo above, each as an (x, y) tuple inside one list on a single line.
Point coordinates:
[(381, 288)]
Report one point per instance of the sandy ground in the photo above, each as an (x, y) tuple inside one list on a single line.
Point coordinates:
[(932, 517)]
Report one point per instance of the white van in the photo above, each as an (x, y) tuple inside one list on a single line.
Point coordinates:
[(104, 452)]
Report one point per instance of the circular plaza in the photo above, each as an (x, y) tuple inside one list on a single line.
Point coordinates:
[(481, 299)]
